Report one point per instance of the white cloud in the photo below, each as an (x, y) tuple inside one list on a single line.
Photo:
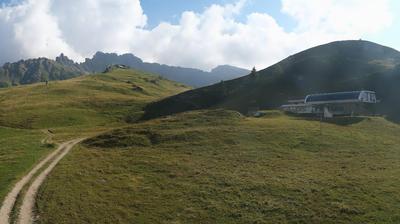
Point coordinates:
[(90, 25), (79, 28), (339, 16), (29, 30), (216, 37)]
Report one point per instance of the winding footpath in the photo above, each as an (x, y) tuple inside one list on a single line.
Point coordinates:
[(26, 211)]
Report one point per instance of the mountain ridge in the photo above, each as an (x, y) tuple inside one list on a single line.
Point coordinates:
[(44, 69), (36, 70)]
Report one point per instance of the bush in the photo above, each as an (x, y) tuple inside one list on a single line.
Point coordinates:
[(115, 140), (49, 145), (4, 84)]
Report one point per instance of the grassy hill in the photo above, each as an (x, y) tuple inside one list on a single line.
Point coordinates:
[(219, 167), (338, 66), (69, 109), (89, 101), (211, 166)]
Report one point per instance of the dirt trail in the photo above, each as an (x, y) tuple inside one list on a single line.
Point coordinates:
[(10, 199), (29, 198), (26, 211)]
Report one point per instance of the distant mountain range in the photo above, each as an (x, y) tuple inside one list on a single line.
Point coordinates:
[(37, 70), (337, 66), (42, 69)]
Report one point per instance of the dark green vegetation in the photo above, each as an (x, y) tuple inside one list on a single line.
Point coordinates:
[(69, 109), (219, 167), (42, 69), (338, 66)]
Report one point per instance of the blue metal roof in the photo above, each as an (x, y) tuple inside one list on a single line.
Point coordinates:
[(325, 97)]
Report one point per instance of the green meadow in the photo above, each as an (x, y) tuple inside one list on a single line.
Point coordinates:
[(217, 166), (20, 150), (34, 118), (209, 166)]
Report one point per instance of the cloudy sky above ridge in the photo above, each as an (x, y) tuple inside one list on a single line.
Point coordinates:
[(200, 34)]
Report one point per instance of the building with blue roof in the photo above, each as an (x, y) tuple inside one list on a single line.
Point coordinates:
[(334, 104)]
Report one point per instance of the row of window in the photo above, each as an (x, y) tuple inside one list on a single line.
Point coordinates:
[(365, 96)]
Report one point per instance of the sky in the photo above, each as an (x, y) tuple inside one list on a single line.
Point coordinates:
[(191, 33)]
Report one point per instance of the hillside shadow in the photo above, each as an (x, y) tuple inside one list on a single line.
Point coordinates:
[(393, 119), (342, 121)]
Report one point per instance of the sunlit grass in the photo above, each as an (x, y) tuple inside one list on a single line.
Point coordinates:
[(79, 107), (219, 167), (19, 151)]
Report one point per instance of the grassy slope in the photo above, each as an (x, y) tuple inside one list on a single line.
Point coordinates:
[(19, 150), (217, 167), (84, 102), (71, 108)]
